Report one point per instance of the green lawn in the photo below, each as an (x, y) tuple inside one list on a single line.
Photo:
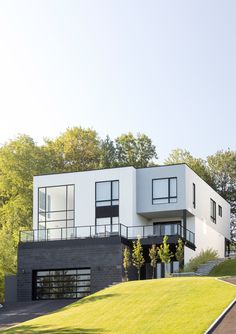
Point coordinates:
[(171, 305), (226, 268)]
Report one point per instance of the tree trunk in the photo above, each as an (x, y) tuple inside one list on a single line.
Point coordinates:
[(139, 274)]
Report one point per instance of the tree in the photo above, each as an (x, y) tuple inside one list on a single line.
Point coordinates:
[(222, 166), (108, 153), (20, 159), (153, 254), (198, 165), (126, 261), (137, 152), (179, 253), (137, 256), (77, 149), (164, 253)]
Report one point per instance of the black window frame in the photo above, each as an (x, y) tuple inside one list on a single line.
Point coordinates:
[(66, 211), (169, 197), (220, 213), (111, 200), (194, 195), (213, 208)]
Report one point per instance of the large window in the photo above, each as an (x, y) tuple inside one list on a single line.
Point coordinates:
[(213, 210), (107, 206), (56, 207), (164, 190), (107, 193), (61, 283)]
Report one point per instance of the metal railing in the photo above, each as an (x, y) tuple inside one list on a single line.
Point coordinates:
[(127, 232)]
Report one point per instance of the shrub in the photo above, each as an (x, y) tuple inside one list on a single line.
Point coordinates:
[(203, 257)]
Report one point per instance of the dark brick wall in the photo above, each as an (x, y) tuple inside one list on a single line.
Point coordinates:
[(10, 289), (102, 255)]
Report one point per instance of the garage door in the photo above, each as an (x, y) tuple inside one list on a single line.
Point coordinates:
[(61, 283)]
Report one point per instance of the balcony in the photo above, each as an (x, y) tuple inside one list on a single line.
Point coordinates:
[(149, 233)]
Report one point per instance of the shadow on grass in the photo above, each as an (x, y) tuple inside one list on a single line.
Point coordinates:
[(90, 299), (30, 329)]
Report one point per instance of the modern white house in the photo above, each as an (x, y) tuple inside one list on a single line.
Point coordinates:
[(83, 220)]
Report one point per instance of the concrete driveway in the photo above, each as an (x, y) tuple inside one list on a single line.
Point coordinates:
[(13, 314)]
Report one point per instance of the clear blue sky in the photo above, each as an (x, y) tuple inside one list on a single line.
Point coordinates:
[(165, 68)]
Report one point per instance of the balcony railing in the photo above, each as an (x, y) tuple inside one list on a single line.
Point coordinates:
[(127, 232)]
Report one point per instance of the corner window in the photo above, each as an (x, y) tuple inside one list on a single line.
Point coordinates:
[(56, 207), (213, 211), (164, 190), (220, 210), (194, 196), (107, 193)]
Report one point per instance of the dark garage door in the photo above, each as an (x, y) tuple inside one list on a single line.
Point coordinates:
[(61, 283)]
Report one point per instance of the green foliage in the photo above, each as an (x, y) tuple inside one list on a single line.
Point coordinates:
[(137, 152), (20, 159), (179, 253), (153, 254), (203, 257), (77, 149), (226, 268), (164, 253), (198, 165), (137, 256), (126, 261), (108, 153)]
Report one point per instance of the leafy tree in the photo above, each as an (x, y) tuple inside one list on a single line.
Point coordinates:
[(153, 254), (77, 149), (179, 253), (108, 153), (137, 256), (222, 166), (126, 261), (198, 165), (164, 253), (137, 152), (20, 159)]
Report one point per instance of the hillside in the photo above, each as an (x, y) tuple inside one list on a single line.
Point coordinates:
[(226, 268), (175, 305)]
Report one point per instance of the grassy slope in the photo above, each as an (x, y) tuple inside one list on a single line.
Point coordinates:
[(174, 305), (226, 268)]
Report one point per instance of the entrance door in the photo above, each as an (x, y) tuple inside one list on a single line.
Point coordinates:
[(61, 283)]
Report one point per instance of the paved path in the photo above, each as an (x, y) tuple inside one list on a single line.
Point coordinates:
[(228, 324), (16, 313)]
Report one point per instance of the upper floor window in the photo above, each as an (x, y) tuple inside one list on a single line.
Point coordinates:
[(213, 211), (194, 195), (56, 207), (220, 210), (164, 190), (107, 193)]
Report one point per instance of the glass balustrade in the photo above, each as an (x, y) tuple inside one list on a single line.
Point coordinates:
[(128, 232)]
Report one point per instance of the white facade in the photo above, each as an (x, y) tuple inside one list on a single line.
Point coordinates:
[(136, 202)]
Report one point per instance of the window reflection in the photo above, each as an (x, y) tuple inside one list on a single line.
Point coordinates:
[(56, 207)]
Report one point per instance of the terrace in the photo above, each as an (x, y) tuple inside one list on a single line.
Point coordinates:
[(148, 233)]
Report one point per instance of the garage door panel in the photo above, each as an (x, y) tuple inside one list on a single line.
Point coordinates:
[(61, 283)]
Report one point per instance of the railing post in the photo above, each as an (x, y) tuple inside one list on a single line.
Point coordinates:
[(143, 232), (90, 231)]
